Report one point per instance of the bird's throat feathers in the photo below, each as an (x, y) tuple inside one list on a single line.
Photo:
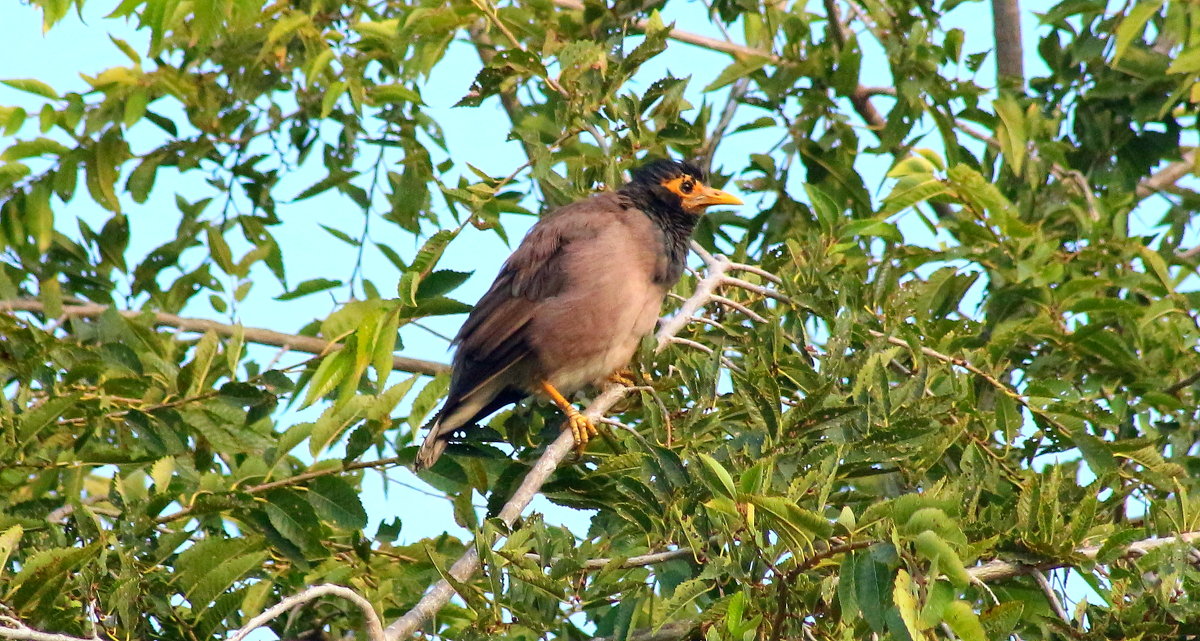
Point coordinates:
[(676, 225)]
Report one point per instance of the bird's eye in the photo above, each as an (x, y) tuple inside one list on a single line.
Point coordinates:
[(687, 187)]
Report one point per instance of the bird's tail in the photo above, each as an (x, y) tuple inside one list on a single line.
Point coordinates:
[(431, 449), (456, 413)]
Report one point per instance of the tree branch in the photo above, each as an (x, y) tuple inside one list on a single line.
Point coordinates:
[(292, 481), (374, 626), (306, 344), (1006, 29), (1166, 177)]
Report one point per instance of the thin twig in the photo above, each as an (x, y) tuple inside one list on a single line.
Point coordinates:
[(374, 625), (633, 561), (1051, 596), (292, 481), (260, 336)]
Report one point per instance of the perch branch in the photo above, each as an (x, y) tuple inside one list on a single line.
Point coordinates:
[(260, 336)]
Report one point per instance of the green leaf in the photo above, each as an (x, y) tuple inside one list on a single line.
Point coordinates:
[(847, 589), (333, 368), (310, 286), (740, 69), (683, 596), (33, 86), (1013, 137), (962, 619), (717, 478), (906, 604), (1132, 25), (42, 416), (932, 547), (422, 263), (335, 501), (294, 518), (441, 282), (873, 586), (907, 195), (37, 147), (43, 571), (9, 542), (220, 578)]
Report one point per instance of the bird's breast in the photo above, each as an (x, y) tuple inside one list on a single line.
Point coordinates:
[(612, 300)]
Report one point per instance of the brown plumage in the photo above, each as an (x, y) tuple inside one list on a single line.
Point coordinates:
[(571, 304)]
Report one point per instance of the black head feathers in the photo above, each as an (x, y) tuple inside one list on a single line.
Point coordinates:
[(656, 172)]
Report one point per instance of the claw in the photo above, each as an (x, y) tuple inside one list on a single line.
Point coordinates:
[(622, 377), (582, 429)]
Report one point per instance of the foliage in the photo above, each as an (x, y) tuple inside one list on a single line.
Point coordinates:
[(995, 360)]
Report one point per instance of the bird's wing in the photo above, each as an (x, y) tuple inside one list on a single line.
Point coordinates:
[(494, 336)]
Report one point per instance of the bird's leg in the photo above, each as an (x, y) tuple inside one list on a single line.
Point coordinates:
[(582, 427)]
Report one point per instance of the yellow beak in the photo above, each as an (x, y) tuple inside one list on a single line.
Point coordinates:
[(707, 197)]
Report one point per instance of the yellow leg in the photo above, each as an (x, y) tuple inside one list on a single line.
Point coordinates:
[(582, 428)]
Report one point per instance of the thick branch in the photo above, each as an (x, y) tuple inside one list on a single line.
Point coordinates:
[(1006, 28), (306, 344), (1166, 177)]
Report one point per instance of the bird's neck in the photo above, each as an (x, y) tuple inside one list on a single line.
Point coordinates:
[(676, 225)]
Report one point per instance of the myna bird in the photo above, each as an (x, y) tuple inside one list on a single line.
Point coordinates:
[(572, 303)]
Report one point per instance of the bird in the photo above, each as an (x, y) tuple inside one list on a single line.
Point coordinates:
[(571, 304)]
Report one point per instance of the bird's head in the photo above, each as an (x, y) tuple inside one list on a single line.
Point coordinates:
[(679, 184)]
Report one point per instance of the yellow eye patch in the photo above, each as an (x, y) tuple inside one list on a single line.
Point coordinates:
[(683, 186)]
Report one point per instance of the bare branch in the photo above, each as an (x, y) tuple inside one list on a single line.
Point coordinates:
[(1166, 177), (1051, 596), (633, 561), (374, 625), (260, 336), (11, 628), (1006, 28)]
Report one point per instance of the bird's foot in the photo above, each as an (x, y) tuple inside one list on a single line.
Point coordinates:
[(623, 377), (582, 429)]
